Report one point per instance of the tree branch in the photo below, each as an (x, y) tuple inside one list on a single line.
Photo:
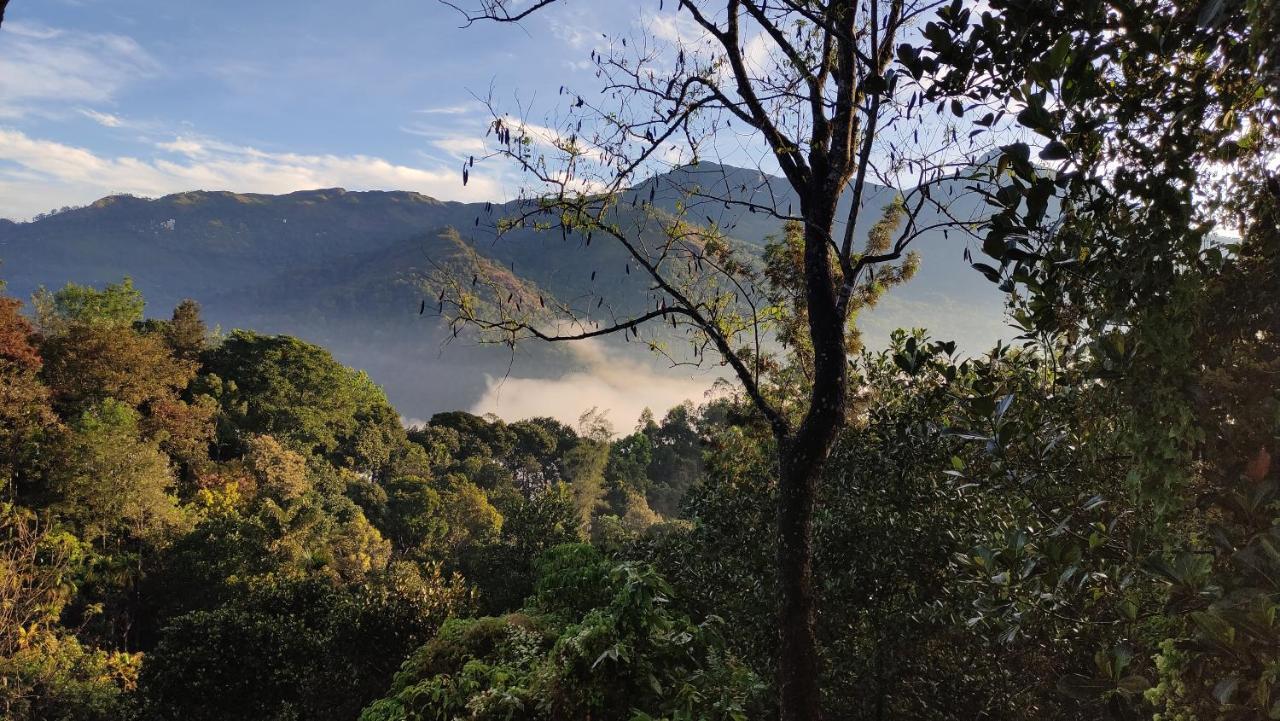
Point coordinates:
[(495, 10)]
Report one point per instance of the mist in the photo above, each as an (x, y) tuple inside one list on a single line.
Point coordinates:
[(620, 387)]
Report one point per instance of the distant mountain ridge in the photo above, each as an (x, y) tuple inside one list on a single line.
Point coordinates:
[(345, 268)]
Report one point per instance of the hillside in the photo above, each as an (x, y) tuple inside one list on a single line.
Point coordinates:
[(347, 269)]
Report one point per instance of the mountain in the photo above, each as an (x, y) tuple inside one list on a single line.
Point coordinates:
[(351, 270)]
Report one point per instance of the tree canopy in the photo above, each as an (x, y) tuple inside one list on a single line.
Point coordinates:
[(1078, 523)]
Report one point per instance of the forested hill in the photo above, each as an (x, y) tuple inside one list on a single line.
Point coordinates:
[(346, 269)]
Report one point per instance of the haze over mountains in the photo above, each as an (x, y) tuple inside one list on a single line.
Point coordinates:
[(347, 269)]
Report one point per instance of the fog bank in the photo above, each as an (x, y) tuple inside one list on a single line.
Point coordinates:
[(621, 387)]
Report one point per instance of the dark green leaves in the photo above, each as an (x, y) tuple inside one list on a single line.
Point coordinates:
[(991, 274), (1055, 150)]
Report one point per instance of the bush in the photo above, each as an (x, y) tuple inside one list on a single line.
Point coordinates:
[(52, 677), (598, 641)]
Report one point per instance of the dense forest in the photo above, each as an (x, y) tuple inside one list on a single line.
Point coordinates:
[(176, 502), (1082, 522), (238, 527)]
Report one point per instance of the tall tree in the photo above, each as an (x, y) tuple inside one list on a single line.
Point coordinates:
[(831, 93), (584, 466), (297, 392), (118, 305), (1162, 116), (113, 483), (25, 410)]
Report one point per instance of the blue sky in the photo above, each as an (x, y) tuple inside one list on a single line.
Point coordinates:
[(156, 96)]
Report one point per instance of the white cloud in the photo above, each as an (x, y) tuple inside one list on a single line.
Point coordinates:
[(575, 34), (460, 109), (621, 386), (757, 55), (45, 68), (69, 175), (106, 120), (674, 28), (461, 146), (29, 30), (456, 143), (184, 146)]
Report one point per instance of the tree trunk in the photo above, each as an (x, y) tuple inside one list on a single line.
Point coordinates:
[(798, 666), (802, 457)]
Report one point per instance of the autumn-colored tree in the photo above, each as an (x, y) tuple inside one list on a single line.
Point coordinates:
[(86, 363), (26, 416), (17, 336)]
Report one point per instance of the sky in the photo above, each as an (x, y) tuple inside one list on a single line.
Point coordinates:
[(153, 96)]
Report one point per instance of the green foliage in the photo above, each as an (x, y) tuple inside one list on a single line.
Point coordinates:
[(117, 305), (413, 515), (572, 579), (1224, 578), (472, 519), (609, 646), (477, 436), (676, 458), (297, 524), (45, 671), (246, 568), (298, 393), (892, 634), (293, 649), (628, 465), (1157, 113), (53, 677), (113, 483), (1082, 526), (503, 570), (584, 468), (186, 332), (540, 444)]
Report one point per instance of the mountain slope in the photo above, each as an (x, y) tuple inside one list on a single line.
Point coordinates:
[(351, 270), (198, 243)]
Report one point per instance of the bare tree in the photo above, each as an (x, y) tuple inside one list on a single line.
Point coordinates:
[(829, 93)]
